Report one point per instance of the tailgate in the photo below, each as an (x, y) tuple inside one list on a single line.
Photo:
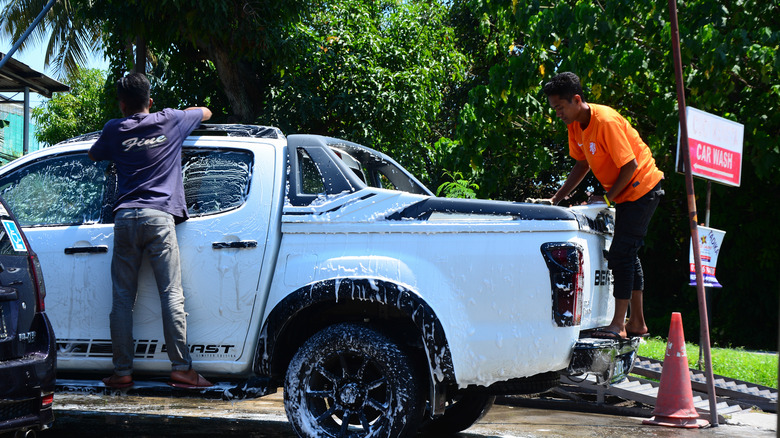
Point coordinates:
[(597, 224)]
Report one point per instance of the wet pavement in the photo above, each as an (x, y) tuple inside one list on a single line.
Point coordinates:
[(116, 415)]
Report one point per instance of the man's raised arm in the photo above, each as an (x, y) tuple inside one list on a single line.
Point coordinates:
[(206, 112)]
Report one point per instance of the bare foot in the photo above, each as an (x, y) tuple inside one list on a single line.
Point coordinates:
[(635, 329)]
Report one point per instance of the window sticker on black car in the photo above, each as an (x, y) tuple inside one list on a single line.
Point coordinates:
[(16, 237)]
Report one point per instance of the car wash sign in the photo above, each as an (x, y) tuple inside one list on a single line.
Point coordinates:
[(715, 147)]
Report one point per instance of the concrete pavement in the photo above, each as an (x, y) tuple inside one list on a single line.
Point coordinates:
[(116, 415)]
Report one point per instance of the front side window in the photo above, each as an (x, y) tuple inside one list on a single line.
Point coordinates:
[(74, 190), (65, 190)]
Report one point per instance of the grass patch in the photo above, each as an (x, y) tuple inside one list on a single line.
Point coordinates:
[(758, 368)]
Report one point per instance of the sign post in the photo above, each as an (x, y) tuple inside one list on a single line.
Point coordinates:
[(693, 219)]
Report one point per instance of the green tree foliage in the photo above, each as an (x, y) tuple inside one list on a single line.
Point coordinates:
[(509, 142), (227, 47), (458, 187), (370, 72), (373, 72), (217, 47), (84, 109)]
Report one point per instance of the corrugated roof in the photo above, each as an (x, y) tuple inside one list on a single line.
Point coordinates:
[(16, 75)]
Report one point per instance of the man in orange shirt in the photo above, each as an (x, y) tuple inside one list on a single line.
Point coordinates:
[(603, 141)]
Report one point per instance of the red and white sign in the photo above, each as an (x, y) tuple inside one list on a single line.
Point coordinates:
[(710, 242), (715, 147)]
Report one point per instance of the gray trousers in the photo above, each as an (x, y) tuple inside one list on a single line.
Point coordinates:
[(140, 232)]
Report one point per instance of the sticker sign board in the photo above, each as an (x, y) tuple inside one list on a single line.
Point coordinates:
[(16, 237), (710, 241), (715, 147)]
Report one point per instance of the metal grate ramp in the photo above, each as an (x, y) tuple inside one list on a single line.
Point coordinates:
[(745, 393), (645, 391)]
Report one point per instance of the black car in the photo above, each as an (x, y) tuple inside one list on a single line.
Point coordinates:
[(27, 345)]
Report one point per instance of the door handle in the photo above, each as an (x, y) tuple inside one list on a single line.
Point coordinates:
[(99, 249), (238, 244), (8, 294)]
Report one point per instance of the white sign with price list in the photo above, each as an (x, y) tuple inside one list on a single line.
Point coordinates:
[(710, 241)]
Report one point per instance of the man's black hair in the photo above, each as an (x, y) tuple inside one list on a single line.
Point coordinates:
[(133, 90), (564, 85)]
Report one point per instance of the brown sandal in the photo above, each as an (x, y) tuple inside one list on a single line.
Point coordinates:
[(183, 379), (118, 382)]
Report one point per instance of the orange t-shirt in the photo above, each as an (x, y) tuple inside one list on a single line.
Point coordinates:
[(608, 143)]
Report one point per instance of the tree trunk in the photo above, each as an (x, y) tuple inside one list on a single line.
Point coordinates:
[(243, 86), (140, 55)]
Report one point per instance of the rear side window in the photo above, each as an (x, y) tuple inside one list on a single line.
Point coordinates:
[(311, 178), (215, 180), (64, 190)]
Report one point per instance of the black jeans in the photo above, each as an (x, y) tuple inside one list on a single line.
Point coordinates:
[(631, 221)]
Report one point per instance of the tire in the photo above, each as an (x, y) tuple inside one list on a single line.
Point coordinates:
[(350, 381), (460, 414)]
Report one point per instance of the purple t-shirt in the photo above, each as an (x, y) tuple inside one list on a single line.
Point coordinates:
[(146, 149)]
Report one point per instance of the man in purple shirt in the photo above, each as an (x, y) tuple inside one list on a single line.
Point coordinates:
[(146, 149)]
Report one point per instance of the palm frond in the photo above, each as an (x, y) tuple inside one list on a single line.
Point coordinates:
[(68, 36)]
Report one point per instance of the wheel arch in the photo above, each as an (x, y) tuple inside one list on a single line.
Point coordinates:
[(395, 309)]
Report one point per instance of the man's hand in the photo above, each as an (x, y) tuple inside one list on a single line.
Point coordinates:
[(596, 199), (577, 174)]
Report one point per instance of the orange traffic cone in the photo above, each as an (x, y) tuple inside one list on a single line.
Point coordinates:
[(674, 404)]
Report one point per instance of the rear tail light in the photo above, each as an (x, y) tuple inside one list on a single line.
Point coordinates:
[(40, 288), (47, 400), (564, 260)]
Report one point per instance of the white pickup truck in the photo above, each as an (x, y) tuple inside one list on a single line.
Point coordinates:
[(323, 267)]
